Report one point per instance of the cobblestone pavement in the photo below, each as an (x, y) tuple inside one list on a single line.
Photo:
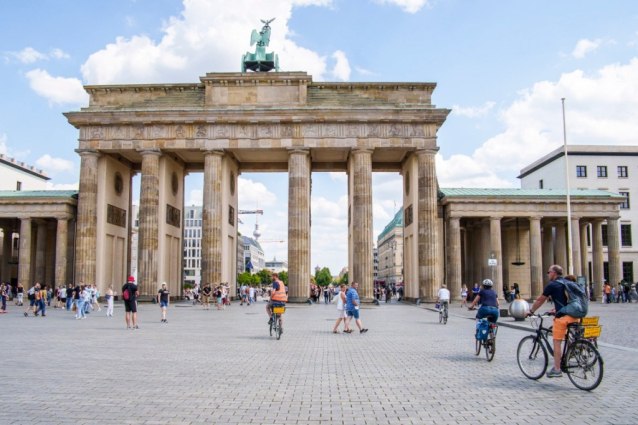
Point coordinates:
[(619, 321), (223, 367)]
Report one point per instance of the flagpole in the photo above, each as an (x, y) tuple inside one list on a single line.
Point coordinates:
[(570, 256)]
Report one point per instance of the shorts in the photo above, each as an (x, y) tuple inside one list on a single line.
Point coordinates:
[(205, 299), (341, 314), (164, 303), (32, 302), (560, 326), (130, 306), (219, 300), (353, 313)]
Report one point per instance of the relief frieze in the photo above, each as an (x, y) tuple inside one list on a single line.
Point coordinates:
[(265, 130), (222, 132), (115, 216), (309, 130), (200, 131), (173, 216), (180, 132)]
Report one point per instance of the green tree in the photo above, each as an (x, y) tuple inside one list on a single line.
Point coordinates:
[(255, 279), (264, 277), (313, 280), (323, 277), (245, 278), (283, 276), (344, 279)]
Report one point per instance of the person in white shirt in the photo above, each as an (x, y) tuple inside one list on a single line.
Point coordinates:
[(252, 295), (443, 297)]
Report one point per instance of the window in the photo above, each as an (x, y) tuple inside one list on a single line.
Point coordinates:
[(581, 171), (606, 271), (540, 184), (588, 237), (622, 171), (625, 235), (628, 271), (624, 205), (18, 186), (604, 231), (601, 171), (192, 215)]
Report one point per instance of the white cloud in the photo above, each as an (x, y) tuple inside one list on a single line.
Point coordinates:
[(63, 186), (410, 6), (28, 55), (3, 143), (7, 150), (363, 71), (339, 177), (251, 192), (130, 21), (473, 111), (341, 69), (195, 197), (54, 165), (600, 109), (59, 54), (58, 90), (585, 46)]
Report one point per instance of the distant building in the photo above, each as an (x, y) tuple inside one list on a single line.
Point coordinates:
[(253, 254), (277, 266), (193, 245), (375, 253), (16, 175), (390, 251)]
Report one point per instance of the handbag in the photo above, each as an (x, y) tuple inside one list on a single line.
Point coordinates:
[(107, 296), (74, 308)]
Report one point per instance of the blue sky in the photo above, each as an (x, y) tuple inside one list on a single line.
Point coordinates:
[(501, 66)]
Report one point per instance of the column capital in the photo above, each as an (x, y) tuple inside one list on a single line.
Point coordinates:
[(455, 218), (150, 151), (597, 220), (576, 218), (218, 152), (298, 150), (613, 219), (88, 153), (536, 218), (495, 218), (362, 150), (428, 151), (63, 217)]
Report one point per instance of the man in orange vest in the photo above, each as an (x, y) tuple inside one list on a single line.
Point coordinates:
[(278, 295)]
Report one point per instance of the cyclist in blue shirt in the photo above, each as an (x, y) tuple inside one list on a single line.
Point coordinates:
[(489, 302)]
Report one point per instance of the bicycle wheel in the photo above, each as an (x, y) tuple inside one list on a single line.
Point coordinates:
[(272, 325), (440, 316), (445, 318), (278, 328), (532, 357), (490, 346), (478, 346), (584, 365)]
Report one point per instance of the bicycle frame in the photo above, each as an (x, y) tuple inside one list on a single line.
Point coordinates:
[(541, 336)]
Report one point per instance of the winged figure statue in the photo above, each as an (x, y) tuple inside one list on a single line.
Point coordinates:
[(260, 61)]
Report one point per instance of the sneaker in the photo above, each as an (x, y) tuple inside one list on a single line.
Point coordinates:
[(165, 321), (26, 314), (270, 321), (128, 327), (553, 373), (136, 327)]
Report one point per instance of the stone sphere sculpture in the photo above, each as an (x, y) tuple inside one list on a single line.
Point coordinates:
[(519, 309)]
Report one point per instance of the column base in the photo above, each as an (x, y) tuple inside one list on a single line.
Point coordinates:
[(299, 300)]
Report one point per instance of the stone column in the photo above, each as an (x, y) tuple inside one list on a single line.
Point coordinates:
[(212, 217), (486, 271), (576, 246), (24, 261), (548, 247), (428, 224), (131, 222), (613, 251), (299, 226), (495, 248), (584, 258), (363, 266), (149, 222), (7, 246), (597, 257), (61, 242), (86, 228), (40, 252), (477, 252), (454, 257), (535, 257), (560, 253), (468, 271)]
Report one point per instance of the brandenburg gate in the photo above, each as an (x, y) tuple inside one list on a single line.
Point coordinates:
[(233, 123)]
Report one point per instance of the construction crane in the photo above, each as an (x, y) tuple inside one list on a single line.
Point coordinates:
[(248, 212)]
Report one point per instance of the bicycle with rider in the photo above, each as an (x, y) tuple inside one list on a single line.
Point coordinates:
[(556, 290), (443, 297), (278, 297), (489, 302)]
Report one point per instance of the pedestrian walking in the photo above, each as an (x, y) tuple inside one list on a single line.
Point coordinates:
[(95, 296), (341, 310), (464, 296), (633, 295), (352, 308), (206, 293), (62, 297), (81, 303), (109, 301), (4, 291), (163, 300), (69, 296), (41, 299), (20, 294), (130, 294), (608, 293), (475, 292)]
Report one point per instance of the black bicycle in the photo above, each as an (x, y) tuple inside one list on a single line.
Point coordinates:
[(581, 361), (275, 324), (489, 343)]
